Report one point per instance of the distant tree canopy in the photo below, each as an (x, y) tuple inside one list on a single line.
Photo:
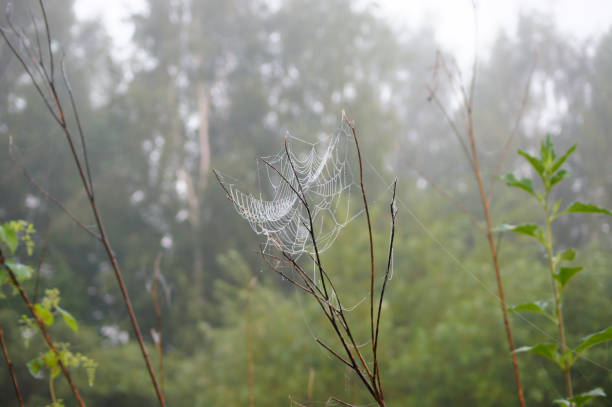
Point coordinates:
[(215, 84)]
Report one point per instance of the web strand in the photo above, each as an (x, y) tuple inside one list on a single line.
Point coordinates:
[(316, 174)]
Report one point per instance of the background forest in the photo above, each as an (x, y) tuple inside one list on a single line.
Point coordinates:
[(215, 84)]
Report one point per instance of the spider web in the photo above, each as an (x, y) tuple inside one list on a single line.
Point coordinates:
[(317, 174)]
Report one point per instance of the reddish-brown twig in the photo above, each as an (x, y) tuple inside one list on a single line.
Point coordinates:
[(9, 364), (159, 339), (46, 194), (472, 157), (250, 345), (56, 109), (376, 377), (517, 124), (43, 329), (327, 295)]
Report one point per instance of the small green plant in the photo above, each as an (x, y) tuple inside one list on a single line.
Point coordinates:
[(549, 167), (13, 233), (47, 309), (58, 356)]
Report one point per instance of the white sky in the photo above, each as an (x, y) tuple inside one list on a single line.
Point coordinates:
[(451, 19)]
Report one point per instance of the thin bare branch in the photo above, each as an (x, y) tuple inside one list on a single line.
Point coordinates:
[(283, 275), (344, 403), (47, 195), (475, 62), (59, 116), (517, 124), (159, 342), (30, 74), (434, 97), (280, 174), (472, 157), (307, 207), (333, 352), (493, 249), (250, 345), (48, 32), (9, 364), (393, 210), (371, 240), (79, 127)]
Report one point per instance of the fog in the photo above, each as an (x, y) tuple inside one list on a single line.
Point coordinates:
[(306, 202)]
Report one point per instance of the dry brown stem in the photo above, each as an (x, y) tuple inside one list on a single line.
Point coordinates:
[(9, 364), (48, 91), (43, 329)]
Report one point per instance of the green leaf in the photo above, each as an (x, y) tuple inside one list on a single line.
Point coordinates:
[(50, 359), (548, 350), (9, 236), (568, 255), (69, 319), (22, 272), (535, 163), (556, 207), (44, 314), (527, 229), (35, 366), (594, 339), (559, 161), (547, 151), (560, 176), (538, 307), (564, 275), (581, 399), (526, 184), (586, 208)]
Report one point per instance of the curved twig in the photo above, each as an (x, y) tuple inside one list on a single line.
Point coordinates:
[(9, 364), (43, 329)]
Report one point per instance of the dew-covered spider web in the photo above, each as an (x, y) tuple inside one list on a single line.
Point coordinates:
[(314, 175)]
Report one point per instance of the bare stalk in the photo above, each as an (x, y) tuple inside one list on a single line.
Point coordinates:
[(472, 157), (159, 342), (57, 111), (393, 210), (327, 296), (310, 390), (494, 256), (250, 345), (372, 274), (43, 330), (517, 124), (46, 194), (9, 364)]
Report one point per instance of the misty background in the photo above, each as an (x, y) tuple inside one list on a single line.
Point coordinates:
[(184, 87)]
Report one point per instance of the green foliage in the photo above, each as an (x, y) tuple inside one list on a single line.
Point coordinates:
[(15, 231), (548, 350), (581, 399), (565, 274), (579, 207), (549, 167), (440, 336), (526, 184), (538, 307), (11, 234), (529, 230), (49, 360), (594, 339)]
